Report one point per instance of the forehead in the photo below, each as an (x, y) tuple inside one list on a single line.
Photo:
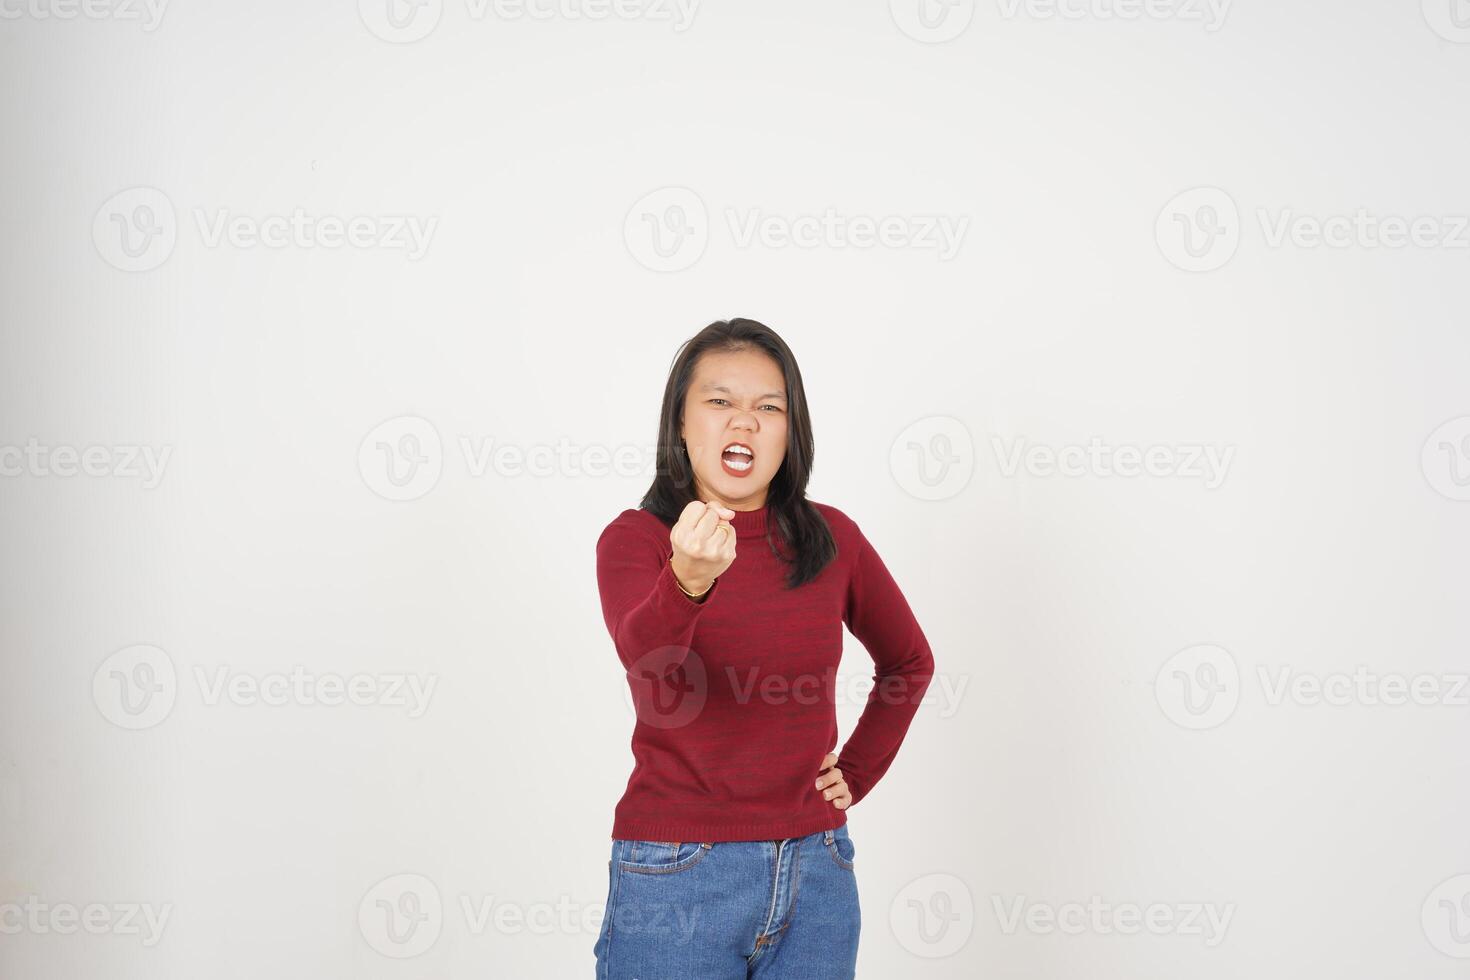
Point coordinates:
[(752, 374)]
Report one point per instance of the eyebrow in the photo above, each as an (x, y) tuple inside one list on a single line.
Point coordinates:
[(710, 386)]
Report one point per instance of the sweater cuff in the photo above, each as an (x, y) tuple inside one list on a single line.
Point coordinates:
[(673, 593)]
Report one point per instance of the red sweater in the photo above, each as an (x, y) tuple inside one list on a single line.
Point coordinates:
[(735, 695)]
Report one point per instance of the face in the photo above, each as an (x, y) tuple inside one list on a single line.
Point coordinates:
[(735, 397)]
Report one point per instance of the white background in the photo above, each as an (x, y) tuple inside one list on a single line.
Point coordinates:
[(540, 315)]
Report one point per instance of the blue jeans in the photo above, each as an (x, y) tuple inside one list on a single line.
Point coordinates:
[(731, 910)]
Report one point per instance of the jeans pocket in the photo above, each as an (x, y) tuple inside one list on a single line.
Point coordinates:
[(839, 845), (661, 857)]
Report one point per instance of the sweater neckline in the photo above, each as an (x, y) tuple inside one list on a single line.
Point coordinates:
[(750, 523)]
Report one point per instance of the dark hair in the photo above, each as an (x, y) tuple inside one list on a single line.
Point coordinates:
[(800, 525)]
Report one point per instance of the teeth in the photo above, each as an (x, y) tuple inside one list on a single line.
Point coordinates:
[(739, 466), (738, 449)]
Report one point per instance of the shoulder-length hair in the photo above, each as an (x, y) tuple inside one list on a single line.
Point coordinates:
[(801, 528)]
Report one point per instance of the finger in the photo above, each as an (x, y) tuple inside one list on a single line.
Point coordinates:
[(829, 778), (691, 513), (836, 791), (704, 528), (828, 761)]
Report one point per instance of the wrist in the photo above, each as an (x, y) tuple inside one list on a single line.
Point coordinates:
[(694, 588)]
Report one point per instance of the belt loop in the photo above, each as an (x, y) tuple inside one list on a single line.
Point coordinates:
[(828, 837)]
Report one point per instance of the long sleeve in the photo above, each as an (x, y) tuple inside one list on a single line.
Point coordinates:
[(642, 604), (879, 616)]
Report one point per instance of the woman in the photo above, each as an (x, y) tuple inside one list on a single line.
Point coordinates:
[(725, 595)]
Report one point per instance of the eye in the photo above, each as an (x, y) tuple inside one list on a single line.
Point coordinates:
[(775, 407), (717, 399)]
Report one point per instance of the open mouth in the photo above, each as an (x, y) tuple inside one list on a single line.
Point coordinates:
[(737, 459)]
